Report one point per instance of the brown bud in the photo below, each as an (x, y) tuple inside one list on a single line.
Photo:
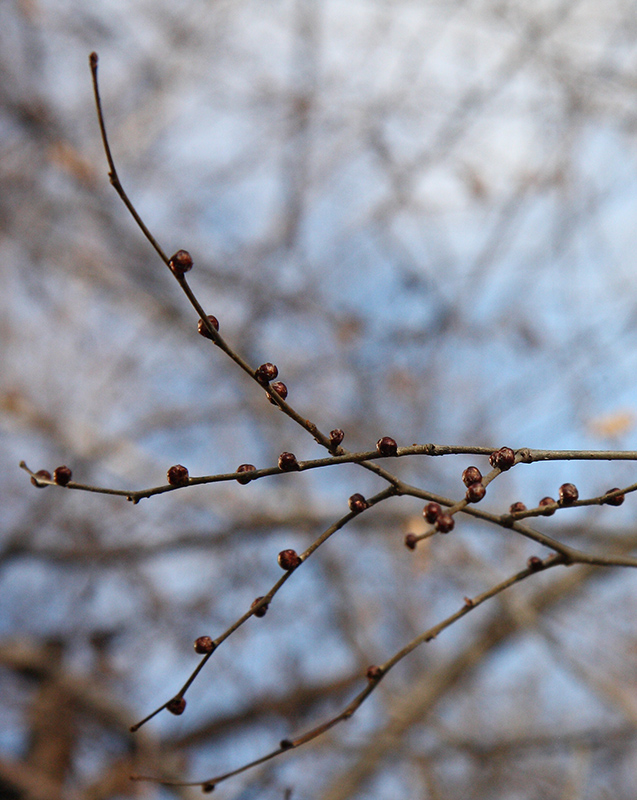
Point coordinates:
[(204, 645), (177, 475), (611, 501), (202, 330), (547, 501), (386, 446), (475, 492), (357, 503), (176, 706), (208, 788), (280, 388), (431, 512), (445, 523), (517, 508), (62, 475), (286, 744), (245, 468), (260, 612), (471, 475), (288, 462), (411, 540), (41, 473), (373, 673), (568, 494), (534, 563), (336, 437), (288, 559), (180, 263), (265, 373), (502, 459)]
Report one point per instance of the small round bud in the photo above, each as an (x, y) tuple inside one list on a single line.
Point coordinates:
[(336, 437), (288, 462), (176, 706), (517, 508), (180, 263), (615, 501), (204, 645), (202, 330), (387, 446), (568, 494), (41, 473), (265, 373), (431, 512), (288, 559), (62, 475), (534, 563), (280, 388), (177, 475), (260, 612), (373, 673), (445, 523), (357, 503), (502, 459), (411, 540), (208, 788), (547, 502), (475, 492), (471, 475), (245, 468), (285, 744)]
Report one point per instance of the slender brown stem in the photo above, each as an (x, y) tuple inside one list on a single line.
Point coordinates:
[(373, 680)]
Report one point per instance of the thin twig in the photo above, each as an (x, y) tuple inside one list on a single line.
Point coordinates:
[(374, 676)]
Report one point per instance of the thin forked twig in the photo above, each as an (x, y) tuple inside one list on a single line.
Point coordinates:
[(374, 676)]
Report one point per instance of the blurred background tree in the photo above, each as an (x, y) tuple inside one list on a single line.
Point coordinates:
[(423, 213)]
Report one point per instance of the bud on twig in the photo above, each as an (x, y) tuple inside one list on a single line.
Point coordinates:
[(176, 706), (546, 502), (445, 523), (288, 559), (204, 645), (178, 475), (386, 446), (357, 503), (41, 473), (614, 501), (431, 512), (180, 263), (62, 475), (568, 494), (411, 540), (245, 468), (280, 388), (502, 459), (260, 612), (265, 373), (471, 475), (475, 492), (202, 330), (288, 462)]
